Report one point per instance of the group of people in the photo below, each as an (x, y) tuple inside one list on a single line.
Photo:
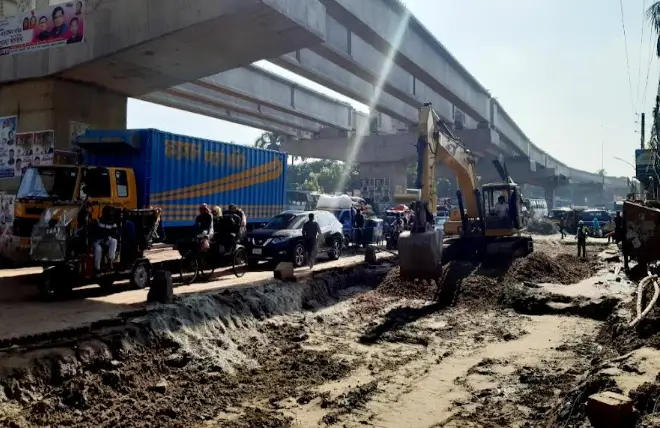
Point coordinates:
[(213, 225), (582, 232)]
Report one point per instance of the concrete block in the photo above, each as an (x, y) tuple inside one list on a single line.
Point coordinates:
[(610, 410), (161, 290), (284, 271)]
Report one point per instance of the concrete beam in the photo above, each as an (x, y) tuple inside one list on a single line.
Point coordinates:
[(178, 102), (419, 54), (370, 148), (314, 67), (190, 92), (266, 89), (137, 47)]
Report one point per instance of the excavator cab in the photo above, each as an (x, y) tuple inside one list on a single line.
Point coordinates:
[(502, 208)]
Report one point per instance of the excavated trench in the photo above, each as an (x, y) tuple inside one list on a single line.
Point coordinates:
[(351, 347)]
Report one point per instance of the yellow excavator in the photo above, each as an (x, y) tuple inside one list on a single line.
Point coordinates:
[(490, 216)]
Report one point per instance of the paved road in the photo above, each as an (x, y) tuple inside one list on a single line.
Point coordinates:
[(22, 314)]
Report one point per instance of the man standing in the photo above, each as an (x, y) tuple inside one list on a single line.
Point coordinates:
[(581, 236), (618, 228), (562, 225), (105, 234), (359, 227), (311, 230)]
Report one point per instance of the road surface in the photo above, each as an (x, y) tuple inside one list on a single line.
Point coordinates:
[(21, 313)]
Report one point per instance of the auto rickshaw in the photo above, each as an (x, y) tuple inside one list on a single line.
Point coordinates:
[(61, 243)]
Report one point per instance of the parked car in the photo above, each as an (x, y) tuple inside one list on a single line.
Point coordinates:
[(281, 238)]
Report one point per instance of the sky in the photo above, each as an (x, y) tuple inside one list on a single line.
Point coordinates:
[(559, 68)]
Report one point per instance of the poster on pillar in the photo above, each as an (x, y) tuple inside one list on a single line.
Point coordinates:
[(76, 129), (57, 25), (32, 149), (6, 211), (8, 126)]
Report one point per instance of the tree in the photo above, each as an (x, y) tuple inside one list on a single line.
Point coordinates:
[(601, 172), (653, 14), (323, 176), (269, 141), (273, 141)]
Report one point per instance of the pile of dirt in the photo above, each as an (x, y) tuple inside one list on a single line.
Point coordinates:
[(454, 273), (393, 285), (540, 268), (542, 227)]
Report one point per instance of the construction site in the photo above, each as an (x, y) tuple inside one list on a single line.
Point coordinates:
[(349, 344), (378, 268)]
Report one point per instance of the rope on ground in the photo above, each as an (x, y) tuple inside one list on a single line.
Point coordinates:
[(640, 291)]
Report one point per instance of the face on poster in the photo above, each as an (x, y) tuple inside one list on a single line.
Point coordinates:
[(76, 129), (57, 25)]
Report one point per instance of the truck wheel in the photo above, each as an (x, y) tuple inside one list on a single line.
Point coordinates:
[(141, 274), (299, 255), (335, 249)]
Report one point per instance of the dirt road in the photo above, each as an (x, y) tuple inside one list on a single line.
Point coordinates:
[(519, 348), (21, 313)]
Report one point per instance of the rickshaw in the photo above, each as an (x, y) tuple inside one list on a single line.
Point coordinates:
[(202, 255), (62, 245)]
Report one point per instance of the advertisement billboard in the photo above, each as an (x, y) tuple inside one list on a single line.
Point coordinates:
[(57, 25)]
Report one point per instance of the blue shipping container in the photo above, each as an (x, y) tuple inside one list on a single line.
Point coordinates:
[(178, 173)]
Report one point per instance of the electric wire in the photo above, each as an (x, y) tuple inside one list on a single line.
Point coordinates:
[(625, 41)]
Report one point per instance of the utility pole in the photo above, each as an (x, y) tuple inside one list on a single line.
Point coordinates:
[(642, 131)]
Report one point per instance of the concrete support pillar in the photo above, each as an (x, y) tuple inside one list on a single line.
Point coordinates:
[(45, 104), (550, 189), (391, 173)]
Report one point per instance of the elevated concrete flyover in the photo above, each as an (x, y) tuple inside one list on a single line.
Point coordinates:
[(263, 96), (136, 47), (362, 32)]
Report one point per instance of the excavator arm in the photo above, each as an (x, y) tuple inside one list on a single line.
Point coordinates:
[(437, 144)]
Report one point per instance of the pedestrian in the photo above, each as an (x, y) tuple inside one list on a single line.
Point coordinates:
[(311, 231), (618, 228), (562, 225), (581, 237)]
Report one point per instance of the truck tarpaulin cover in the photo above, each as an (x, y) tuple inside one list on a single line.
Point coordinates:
[(178, 173)]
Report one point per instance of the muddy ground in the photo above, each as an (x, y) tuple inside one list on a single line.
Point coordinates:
[(519, 346)]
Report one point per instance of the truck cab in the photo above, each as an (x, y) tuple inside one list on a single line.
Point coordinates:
[(44, 186)]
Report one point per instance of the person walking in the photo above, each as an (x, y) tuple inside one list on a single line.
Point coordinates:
[(311, 231), (581, 237)]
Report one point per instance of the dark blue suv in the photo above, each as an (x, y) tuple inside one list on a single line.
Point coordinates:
[(281, 238)]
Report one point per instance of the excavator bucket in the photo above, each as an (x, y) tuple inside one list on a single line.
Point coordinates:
[(420, 255)]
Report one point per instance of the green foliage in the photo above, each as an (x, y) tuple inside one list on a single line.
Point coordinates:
[(273, 141), (322, 176)]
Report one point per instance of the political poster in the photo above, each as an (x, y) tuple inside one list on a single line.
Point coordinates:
[(57, 25), (8, 127), (44, 148), (76, 129), (32, 149), (6, 211)]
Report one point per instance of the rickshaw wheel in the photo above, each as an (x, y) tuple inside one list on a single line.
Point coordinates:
[(141, 274), (189, 264), (239, 262)]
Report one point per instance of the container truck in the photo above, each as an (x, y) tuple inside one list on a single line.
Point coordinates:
[(151, 168)]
